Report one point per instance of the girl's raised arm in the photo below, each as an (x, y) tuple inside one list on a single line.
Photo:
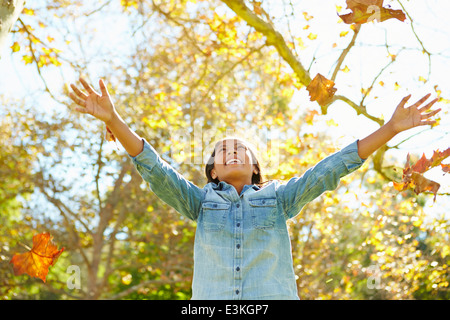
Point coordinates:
[(101, 107), (404, 118), (165, 182)]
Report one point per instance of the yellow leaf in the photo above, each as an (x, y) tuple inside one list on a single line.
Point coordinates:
[(307, 16), (332, 123), (15, 47), (343, 34), (27, 11), (346, 69), (312, 36), (27, 59)]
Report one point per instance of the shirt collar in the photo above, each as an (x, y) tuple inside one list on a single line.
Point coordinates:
[(222, 186)]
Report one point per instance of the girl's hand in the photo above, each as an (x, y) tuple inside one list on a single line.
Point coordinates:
[(413, 116), (99, 106)]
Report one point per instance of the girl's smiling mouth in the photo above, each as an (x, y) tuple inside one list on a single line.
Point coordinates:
[(233, 161)]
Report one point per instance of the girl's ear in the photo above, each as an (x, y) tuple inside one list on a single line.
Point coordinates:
[(255, 170), (213, 174)]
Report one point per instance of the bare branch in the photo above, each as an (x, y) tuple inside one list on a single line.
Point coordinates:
[(345, 52), (360, 109)]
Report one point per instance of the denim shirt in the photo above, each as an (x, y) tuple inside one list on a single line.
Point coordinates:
[(242, 248)]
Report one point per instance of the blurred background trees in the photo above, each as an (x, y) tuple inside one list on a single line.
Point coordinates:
[(183, 74)]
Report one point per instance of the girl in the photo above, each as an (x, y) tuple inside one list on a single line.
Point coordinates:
[(242, 248)]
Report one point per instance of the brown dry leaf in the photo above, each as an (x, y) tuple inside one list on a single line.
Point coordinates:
[(364, 11), (412, 175), (422, 184), (37, 261), (321, 90)]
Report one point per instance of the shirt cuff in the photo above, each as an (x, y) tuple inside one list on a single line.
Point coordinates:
[(351, 158), (148, 156)]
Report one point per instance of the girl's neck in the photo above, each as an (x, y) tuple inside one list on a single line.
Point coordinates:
[(239, 185)]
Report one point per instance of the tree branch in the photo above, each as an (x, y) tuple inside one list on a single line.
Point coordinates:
[(360, 109), (345, 52), (273, 38)]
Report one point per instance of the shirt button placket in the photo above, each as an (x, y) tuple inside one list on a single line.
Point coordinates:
[(238, 253)]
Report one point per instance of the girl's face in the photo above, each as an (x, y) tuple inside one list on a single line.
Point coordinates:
[(233, 161)]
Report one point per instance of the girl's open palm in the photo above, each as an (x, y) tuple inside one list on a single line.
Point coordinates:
[(405, 118), (99, 106)]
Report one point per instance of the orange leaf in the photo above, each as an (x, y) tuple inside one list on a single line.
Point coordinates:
[(422, 165), (36, 262), (400, 186), (321, 90), (412, 176), (445, 168), (438, 156), (364, 11)]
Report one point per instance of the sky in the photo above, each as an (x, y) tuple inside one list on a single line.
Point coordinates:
[(431, 24)]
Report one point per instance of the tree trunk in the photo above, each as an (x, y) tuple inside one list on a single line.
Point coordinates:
[(9, 13)]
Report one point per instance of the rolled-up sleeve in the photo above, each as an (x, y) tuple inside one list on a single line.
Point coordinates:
[(169, 185), (324, 176)]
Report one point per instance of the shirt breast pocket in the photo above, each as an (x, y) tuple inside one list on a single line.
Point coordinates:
[(214, 215), (263, 212)]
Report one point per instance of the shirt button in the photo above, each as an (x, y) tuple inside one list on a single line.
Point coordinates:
[(238, 205), (237, 269), (238, 246), (238, 224), (237, 291)]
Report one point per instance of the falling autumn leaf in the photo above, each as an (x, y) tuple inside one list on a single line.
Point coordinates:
[(321, 90), (364, 11), (445, 168), (439, 156), (312, 36), (38, 259), (412, 175)]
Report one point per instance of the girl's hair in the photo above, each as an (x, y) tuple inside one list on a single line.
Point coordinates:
[(256, 177)]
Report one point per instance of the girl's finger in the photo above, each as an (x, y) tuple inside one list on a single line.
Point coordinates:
[(81, 110), (428, 106), (87, 86), (77, 100), (418, 103), (426, 123), (78, 92), (430, 114), (103, 88), (404, 101)]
